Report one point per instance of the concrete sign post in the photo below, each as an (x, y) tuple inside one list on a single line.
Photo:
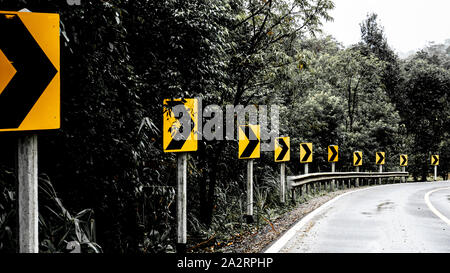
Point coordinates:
[(249, 216), (27, 174), (181, 202)]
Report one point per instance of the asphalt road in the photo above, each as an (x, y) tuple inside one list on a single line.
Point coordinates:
[(412, 217)]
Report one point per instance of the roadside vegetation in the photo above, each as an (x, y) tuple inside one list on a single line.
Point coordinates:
[(106, 184)]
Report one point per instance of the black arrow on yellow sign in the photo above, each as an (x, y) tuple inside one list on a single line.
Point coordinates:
[(404, 160), (435, 160), (182, 134), (34, 71), (358, 158), (334, 153), (308, 152), (380, 158), (253, 141), (284, 149)]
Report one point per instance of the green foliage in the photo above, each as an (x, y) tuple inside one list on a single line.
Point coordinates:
[(120, 59)]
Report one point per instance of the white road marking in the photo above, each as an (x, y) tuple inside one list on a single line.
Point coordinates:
[(280, 243), (433, 209)]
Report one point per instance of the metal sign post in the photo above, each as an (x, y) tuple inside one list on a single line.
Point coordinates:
[(357, 179), (181, 202), (27, 175), (435, 172), (403, 178), (249, 216), (283, 183), (307, 185), (333, 169), (381, 170)]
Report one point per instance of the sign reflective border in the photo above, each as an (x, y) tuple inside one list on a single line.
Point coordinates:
[(282, 149), (180, 125), (30, 71), (249, 141)]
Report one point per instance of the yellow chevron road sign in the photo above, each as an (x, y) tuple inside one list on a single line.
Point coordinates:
[(282, 149), (249, 141), (403, 160), (333, 151), (380, 158), (306, 152), (435, 160), (357, 158), (29, 71), (180, 132)]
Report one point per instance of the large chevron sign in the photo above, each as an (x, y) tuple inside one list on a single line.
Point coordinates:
[(180, 123), (29, 71), (249, 141)]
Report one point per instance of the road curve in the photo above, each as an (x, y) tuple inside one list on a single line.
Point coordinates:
[(410, 217)]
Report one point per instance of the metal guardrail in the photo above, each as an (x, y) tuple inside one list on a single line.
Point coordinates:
[(296, 181)]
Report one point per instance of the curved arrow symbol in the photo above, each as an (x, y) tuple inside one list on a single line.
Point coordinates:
[(308, 152), (358, 158), (334, 153), (253, 141), (380, 158), (34, 71), (284, 149)]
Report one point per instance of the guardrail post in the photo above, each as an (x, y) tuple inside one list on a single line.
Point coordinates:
[(283, 183)]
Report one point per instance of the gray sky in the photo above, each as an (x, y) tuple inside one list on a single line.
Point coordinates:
[(408, 24)]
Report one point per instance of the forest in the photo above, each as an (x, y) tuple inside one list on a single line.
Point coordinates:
[(105, 182)]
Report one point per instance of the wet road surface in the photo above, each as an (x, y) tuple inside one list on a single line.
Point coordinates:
[(412, 217)]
